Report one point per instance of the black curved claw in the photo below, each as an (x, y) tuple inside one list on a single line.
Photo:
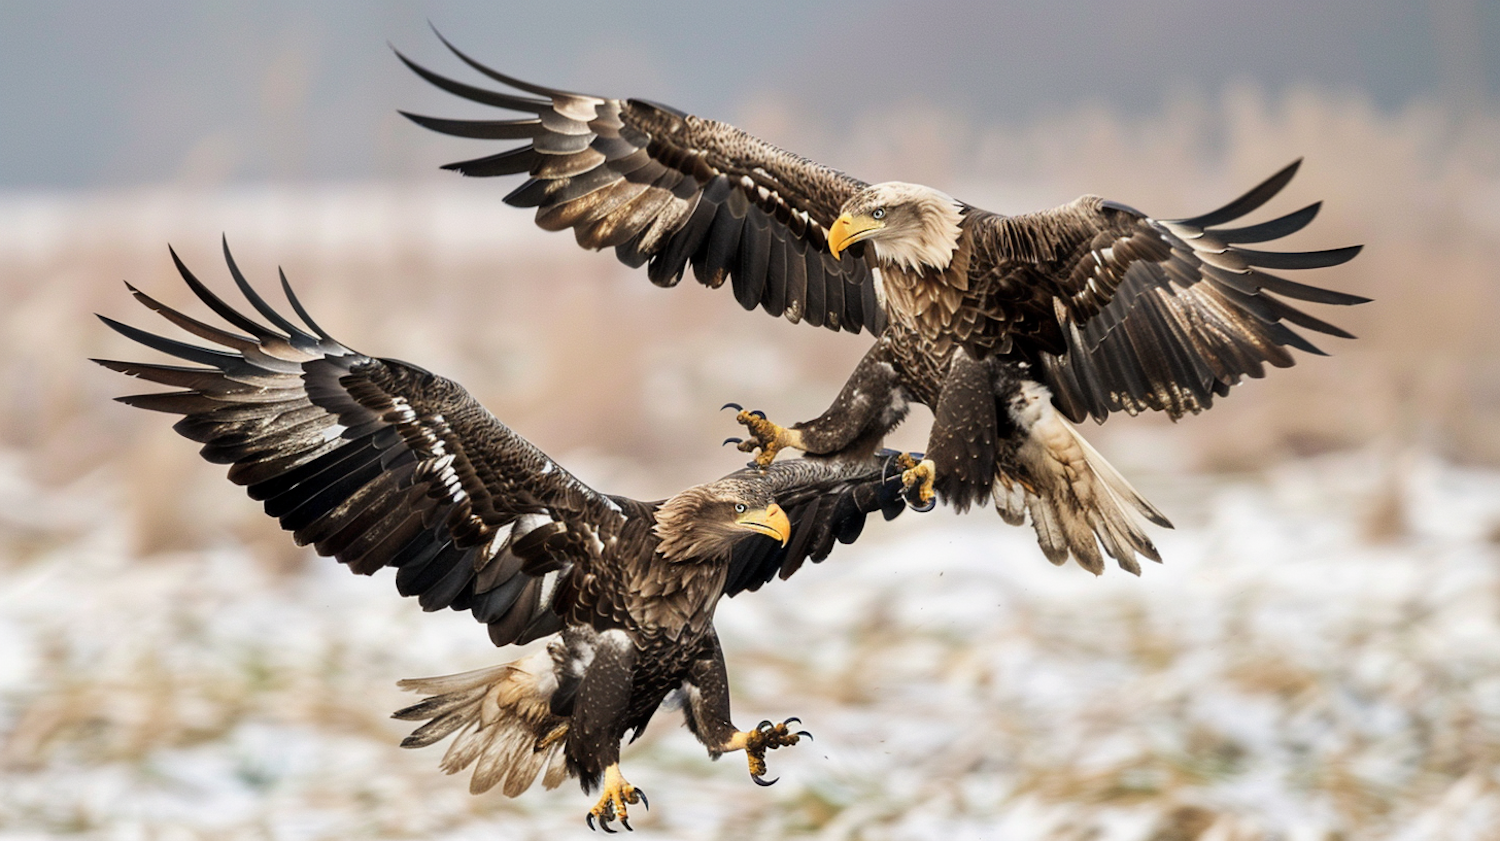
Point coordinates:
[(806, 735), (922, 507), (760, 782), (625, 822), (728, 441), (589, 819), (604, 825), (758, 413), (792, 720), (644, 801), (735, 406), (765, 725)]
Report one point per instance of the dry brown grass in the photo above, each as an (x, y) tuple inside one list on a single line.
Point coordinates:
[(622, 382)]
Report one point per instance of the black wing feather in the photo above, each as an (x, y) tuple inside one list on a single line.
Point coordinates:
[(581, 150), (826, 502), (1132, 313), (373, 461)]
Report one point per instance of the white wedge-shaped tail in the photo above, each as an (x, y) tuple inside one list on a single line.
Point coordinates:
[(1078, 503)]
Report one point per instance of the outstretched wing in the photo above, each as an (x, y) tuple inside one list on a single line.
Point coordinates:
[(1126, 312), (669, 190), (826, 501), (376, 462)]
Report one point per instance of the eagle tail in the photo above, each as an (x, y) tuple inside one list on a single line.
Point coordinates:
[(1077, 501), (504, 721)]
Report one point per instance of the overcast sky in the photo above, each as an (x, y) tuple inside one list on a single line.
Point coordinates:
[(108, 94)]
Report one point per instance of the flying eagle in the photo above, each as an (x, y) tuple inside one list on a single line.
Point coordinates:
[(379, 463), (1008, 327)]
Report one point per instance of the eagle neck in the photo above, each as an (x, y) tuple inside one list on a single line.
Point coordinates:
[(686, 542), (928, 300), (676, 597)]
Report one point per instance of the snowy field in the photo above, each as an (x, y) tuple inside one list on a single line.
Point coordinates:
[(1317, 659)]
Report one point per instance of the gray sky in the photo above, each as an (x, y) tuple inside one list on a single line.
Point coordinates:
[(108, 94)]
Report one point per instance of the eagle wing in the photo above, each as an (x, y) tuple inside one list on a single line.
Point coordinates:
[(379, 463), (1125, 312), (826, 502), (669, 190)]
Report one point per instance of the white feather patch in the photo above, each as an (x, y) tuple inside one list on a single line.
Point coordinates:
[(1078, 501)]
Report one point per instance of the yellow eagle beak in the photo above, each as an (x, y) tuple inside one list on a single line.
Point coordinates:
[(770, 521), (848, 230)]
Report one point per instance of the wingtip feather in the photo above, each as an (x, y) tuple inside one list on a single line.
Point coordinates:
[(1249, 201)]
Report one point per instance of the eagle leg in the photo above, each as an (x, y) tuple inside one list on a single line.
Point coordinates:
[(917, 478), (766, 736), (613, 799), (770, 438)]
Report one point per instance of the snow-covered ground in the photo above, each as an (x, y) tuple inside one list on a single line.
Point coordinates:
[(1319, 658)]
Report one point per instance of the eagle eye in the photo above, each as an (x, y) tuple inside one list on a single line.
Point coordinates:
[(739, 508), (877, 213)]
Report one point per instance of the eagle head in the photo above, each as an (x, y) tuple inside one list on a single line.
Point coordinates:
[(909, 225), (706, 521)]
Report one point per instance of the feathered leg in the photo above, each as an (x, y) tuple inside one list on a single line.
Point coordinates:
[(870, 404), (707, 713), (960, 463), (596, 728)]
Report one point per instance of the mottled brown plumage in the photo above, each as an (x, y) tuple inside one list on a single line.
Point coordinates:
[(379, 464), (1101, 306)]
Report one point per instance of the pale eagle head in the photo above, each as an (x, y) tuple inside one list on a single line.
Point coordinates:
[(706, 521), (908, 225)]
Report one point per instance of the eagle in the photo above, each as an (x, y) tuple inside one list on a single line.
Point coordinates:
[(379, 463), (1010, 328)]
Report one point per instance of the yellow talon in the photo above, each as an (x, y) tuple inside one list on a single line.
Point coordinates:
[(770, 438), (766, 736), (920, 476), (613, 799)]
